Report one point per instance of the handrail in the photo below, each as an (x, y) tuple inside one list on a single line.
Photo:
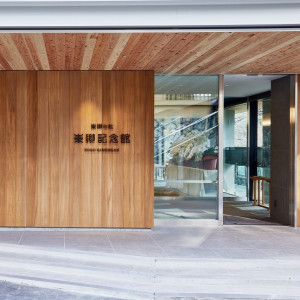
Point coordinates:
[(185, 127), (259, 181), (164, 125), (185, 141)]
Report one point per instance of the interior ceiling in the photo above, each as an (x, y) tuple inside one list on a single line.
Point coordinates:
[(165, 53), (235, 85), (186, 84), (247, 85)]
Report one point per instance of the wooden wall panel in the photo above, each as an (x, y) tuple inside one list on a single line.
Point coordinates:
[(75, 152), (31, 159), (128, 115), (47, 180), (2, 149), (21, 147)]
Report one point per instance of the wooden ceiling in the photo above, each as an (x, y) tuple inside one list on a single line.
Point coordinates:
[(166, 53)]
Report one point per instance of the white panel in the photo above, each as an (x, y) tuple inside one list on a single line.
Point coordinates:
[(122, 14)]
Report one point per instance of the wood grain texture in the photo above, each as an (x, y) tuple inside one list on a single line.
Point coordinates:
[(165, 53), (49, 181)]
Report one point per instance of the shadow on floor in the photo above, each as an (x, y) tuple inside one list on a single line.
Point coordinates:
[(238, 212)]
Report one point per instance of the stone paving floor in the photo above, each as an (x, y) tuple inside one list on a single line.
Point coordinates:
[(274, 249), (234, 241), (9, 291)]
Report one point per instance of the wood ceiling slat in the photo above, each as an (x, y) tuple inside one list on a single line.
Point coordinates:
[(210, 57), (247, 52), (169, 50), (88, 51), (202, 47), (38, 44), (21, 44), (181, 50), (217, 46), (33, 53), (184, 45), (70, 41), (187, 56), (79, 50), (13, 56), (146, 45), (162, 50), (255, 52), (285, 59), (156, 45), (134, 46), (4, 56), (107, 50), (50, 49), (127, 54), (98, 50), (292, 65), (226, 57), (165, 53), (121, 43), (279, 62), (60, 50)]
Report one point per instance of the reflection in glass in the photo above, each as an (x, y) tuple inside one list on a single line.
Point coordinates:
[(264, 143), (186, 146), (235, 151), (263, 138)]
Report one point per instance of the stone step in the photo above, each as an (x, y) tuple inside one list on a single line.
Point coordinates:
[(134, 277)]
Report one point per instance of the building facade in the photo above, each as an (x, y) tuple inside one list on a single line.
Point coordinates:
[(127, 114)]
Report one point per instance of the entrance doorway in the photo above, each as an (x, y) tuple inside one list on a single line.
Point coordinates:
[(247, 148)]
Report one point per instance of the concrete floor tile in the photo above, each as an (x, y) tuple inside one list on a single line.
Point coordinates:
[(242, 253), (43, 239), (91, 248), (226, 243), (185, 252), (10, 237), (267, 244), (87, 239), (188, 240), (287, 253), (150, 252)]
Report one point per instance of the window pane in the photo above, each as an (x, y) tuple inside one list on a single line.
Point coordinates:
[(235, 154), (186, 146)]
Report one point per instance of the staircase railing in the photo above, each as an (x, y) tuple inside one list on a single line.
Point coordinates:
[(259, 191)]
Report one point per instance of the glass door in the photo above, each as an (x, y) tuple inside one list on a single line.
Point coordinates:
[(186, 147), (235, 151)]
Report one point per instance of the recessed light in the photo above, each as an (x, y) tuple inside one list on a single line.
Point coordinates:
[(250, 71), (118, 67), (226, 84), (124, 55)]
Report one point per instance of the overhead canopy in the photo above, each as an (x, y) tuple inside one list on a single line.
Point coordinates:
[(165, 53)]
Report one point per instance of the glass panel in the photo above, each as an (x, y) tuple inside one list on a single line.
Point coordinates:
[(235, 154), (186, 146), (263, 138)]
